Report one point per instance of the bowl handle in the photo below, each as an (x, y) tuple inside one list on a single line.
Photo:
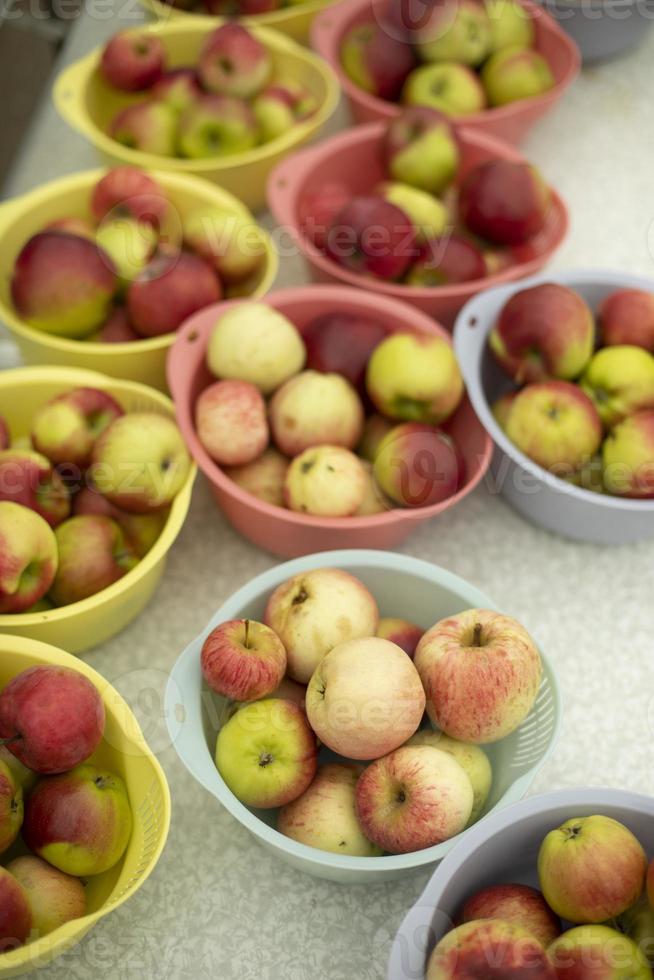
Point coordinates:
[(68, 95)]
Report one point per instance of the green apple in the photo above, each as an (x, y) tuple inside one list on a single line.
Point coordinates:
[(11, 807), (464, 37), (420, 149), (472, 759), (266, 753), (511, 25), (501, 408), (638, 923), (129, 244), (620, 381), (29, 557), (25, 777), (516, 73), (230, 240), (216, 126), (426, 212), (448, 86), (599, 952), (628, 456)]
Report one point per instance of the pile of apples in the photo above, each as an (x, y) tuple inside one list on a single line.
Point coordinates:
[(74, 817), (320, 383), (593, 874), (458, 56), (370, 680), (85, 501), (415, 226), (136, 268), (586, 409), (233, 8), (229, 103)]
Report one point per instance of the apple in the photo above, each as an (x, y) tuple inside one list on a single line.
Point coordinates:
[(505, 202), (131, 61), (62, 284), (54, 898), (178, 88), (376, 61), (591, 869), (481, 672), (415, 797), (650, 883), (372, 236), (230, 419), (279, 107), (73, 226), (243, 660), (342, 343), (362, 711), (511, 25), (149, 127), (67, 427), (169, 290), (327, 481), (15, 915), (230, 241), (23, 776), (29, 479), (234, 62), (129, 192), (266, 753), (628, 457), (216, 126), (420, 148), (445, 261), (638, 923), (516, 73), (140, 462), (472, 760), (93, 554), (317, 210), (313, 409), (325, 815), (79, 822), (263, 477), (415, 377), (400, 632), (590, 476), (375, 428), (556, 425), (11, 807), (517, 904), (374, 501), (620, 381), (455, 31), (129, 243), (140, 530), (627, 317), (427, 214), (5, 437), (450, 87), (28, 557), (544, 332), (301, 612), (418, 466), (253, 342), (116, 329), (492, 949), (501, 408), (597, 952)]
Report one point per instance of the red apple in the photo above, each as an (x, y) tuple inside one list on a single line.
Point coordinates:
[(504, 202), (11, 807), (5, 437), (129, 192), (230, 418), (28, 557), (133, 61), (243, 660), (178, 88), (15, 915), (420, 149), (371, 235), (141, 530), (54, 897), (627, 317), (400, 632), (318, 209), (67, 427), (418, 465), (447, 260), (263, 477), (117, 329), (650, 883), (52, 717), (518, 904), (491, 949), (342, 343), (93, 554), (234, 62), (150, 127), (169, 290), (376, 61), (29, 479)]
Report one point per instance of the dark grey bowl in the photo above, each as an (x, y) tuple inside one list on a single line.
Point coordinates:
[(602, 28)]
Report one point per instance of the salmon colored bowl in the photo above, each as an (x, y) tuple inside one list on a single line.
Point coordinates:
[(86, 624), (354, 158), (510, 122), (88, 104), (294, 20), (285, 532), (140, 360), (125, 752)]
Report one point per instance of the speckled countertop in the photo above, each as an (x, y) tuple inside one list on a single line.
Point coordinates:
[(218, 906)]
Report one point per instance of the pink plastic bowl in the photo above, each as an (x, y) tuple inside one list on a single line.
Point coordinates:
[(280, 531), (510, 122), (354, 158)]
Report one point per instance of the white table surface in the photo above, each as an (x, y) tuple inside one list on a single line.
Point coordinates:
[(219, 906)]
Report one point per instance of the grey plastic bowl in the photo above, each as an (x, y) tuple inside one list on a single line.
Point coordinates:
[(539, 496), (602, 29), (504, 848), (403, 586)]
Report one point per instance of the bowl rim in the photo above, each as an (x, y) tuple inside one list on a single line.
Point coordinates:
[(473, 310), (290, 171), (326, 35), (417, 321), (119, 710), (267, 581), (15, 208), (271, 18), (77, 377), (71, 83)]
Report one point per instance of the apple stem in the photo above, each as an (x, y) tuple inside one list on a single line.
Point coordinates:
[(247, 634), (8, 741), (476, 636)]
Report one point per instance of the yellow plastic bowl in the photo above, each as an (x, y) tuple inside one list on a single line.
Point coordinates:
[(125, 752), (140, 360), (87, 623), (88, 104), (295, 20)]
